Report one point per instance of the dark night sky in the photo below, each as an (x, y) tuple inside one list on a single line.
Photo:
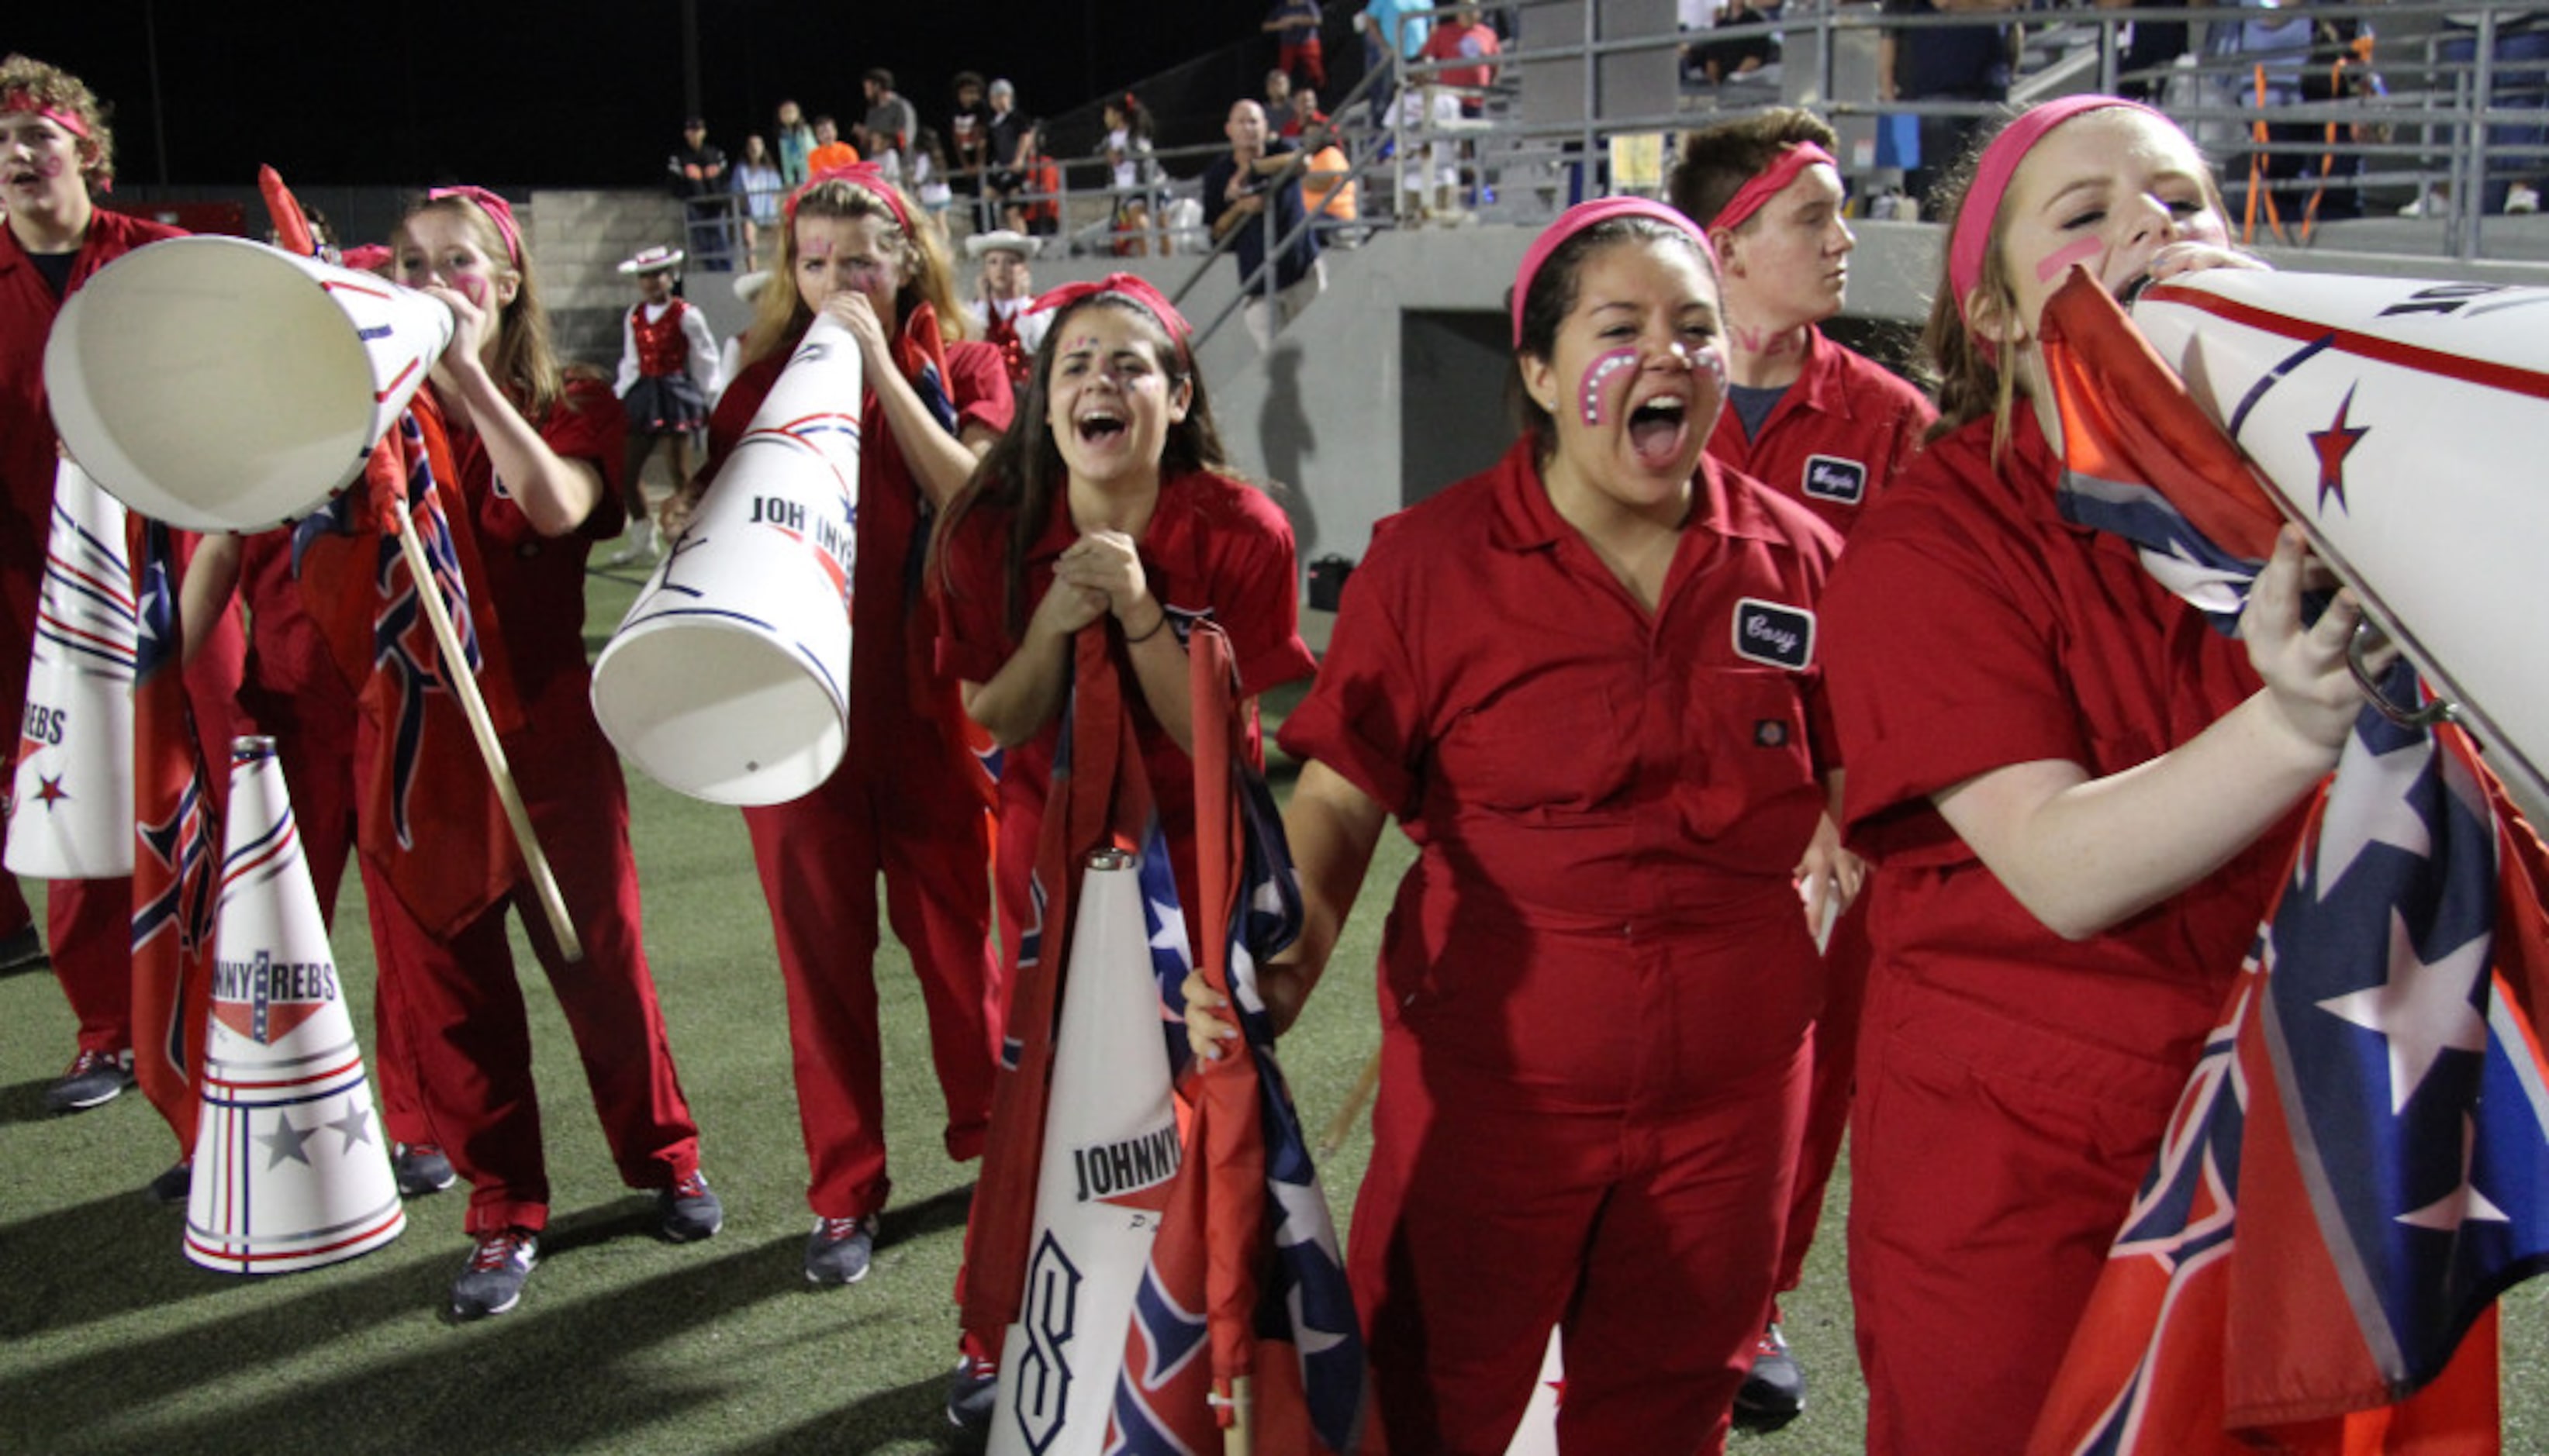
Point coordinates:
[(559, 94)]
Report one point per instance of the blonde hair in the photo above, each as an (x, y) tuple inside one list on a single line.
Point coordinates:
[(54, 89), (525, 365), (780, 314)]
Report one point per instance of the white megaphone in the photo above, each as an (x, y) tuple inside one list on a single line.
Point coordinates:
[(70, 811), (218, 384), (730, 679), (2391, 416)]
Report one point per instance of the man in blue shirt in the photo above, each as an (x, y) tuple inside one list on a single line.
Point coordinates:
[(1260, 180)]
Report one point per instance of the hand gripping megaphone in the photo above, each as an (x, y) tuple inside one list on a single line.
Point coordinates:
[(2395, 419), (218, 384), (728, 680)]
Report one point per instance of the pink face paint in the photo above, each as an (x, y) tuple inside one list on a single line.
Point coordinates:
[(1605, 383), (2062, 258), (49, 167), (1709, 365), (472, 287)]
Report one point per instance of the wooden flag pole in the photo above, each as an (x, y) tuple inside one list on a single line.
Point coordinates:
[(482, 726), (1342, 1126)]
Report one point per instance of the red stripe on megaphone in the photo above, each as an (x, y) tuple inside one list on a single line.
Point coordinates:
[(2506, 377)]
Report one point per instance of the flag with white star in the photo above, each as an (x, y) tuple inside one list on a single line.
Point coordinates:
[(2360, 1164), (1244, 1318)]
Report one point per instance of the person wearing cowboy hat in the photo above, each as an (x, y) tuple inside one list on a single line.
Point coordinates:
[(668, 373), (1000, 315)]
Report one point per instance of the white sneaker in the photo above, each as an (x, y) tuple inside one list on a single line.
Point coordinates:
[(641, 546), (2521, 198), (2428, 204)]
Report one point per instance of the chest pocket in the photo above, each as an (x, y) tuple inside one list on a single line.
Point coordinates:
[(1547, 749), (1746, 745)]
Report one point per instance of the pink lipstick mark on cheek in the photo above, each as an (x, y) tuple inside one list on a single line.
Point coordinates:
[(1595, 394), (2060, 262), (472, 287)]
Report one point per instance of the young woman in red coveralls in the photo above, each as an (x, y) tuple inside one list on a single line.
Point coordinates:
[(1586, 682), (910, 799), (1106, 498), (2076, 795), (1829, 429), (537, 455)]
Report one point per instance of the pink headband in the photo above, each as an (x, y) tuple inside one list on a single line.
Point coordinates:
[(1139, 290), (1972, 236), (865, 175), (25, 100), (498, 210), (1769, 183), (1586, 215)]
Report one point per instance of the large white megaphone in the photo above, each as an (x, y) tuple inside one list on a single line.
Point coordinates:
[(2396, 421), (218, 384), (729, 677), (70, 811)]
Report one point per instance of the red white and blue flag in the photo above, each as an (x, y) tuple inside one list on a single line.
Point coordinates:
[(177, 845), (1244, 1318), (2360, 1164), (427, 814)]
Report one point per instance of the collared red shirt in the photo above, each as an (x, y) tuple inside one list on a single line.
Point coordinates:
[(1972, 628), (1840, 435)]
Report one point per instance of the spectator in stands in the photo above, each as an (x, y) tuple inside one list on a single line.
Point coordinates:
[(1328, 188), (1965, 63), (1458, 34), (2516, 79), (759, 183), (1392, 30), (969, 135), (928, 177), (1829, 429), (1296, 24), (1715, 61), (1034, 203), (884, 137), (1257, 186), (699, 176), (2149, 45), (1281, 118), (830, 152), (795, 143), (1132, 174), (1006, 136), (2292, 55)]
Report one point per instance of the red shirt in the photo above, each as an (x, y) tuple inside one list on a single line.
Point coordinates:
[(1214, 546), (28, 309), (1454, 39), (539, 581), (893, 648), (1840, 435), (1581, 776), (1970, 628)]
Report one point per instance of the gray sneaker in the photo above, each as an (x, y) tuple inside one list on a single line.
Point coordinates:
[(493, 1281), (838, 1250), (420, 1169), (95, 1078), (689, 1210)]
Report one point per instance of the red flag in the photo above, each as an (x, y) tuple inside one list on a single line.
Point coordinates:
[(1096, 791), (177, 846), (2351, 1176), (427, 813), (1244, 1323)]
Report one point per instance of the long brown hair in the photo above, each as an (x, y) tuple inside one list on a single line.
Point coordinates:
[(780, 314), (526, 366), (1023, 472)]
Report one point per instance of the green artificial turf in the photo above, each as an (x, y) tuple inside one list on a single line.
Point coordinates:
[(111, 1342)]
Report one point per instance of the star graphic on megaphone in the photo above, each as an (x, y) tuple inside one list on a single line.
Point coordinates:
[(2334, 445)]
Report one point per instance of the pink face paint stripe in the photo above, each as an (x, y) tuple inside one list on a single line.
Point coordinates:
[(1592, 390), (2060, 262)]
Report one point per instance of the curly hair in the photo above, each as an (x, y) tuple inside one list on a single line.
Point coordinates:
[(51, 88)]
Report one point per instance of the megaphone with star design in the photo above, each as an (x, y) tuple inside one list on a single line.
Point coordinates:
[(2387, 417), (291, 1171)]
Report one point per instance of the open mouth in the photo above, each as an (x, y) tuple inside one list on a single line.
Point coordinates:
[(1657, 429), (1101, 426)]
